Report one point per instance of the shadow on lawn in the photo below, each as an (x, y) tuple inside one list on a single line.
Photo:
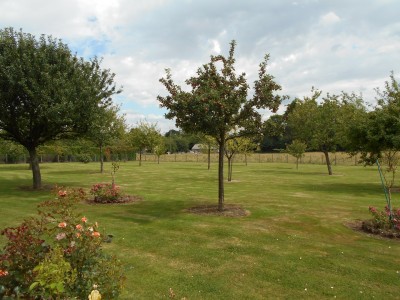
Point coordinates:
[(146, 212), (340, 188)]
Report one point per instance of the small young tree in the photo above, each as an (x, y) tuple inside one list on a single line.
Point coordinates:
[(107, 127), (296, 149), (207, 144), (233, 147), (160, 147), (144, 137), (217, 103)]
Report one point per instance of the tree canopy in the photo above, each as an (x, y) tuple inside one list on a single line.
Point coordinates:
[(323, 125), (218, 103), (46, 92)]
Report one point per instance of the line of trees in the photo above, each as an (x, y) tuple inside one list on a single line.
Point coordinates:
[(216, 104), (50, 97)]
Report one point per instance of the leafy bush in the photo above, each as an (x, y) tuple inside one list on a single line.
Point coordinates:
[(58, 254), (85, 158), (106, 193), (382, 223)]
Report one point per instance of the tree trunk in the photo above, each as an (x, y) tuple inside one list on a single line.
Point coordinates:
[(221, 174), (297, 163), (101, 160), (140, 157), (230, 164), (209, 157), (37, 178), (158, 159), (245, 158), (328, 162)]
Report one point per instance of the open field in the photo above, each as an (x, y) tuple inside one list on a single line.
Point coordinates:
[(294, 244)]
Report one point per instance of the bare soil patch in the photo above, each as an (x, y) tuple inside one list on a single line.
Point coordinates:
[(366, 227), (123, 200), (230, 210)]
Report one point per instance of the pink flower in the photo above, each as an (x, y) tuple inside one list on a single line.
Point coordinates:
[(372, 209), (62, 193), (84, 219), (96, 234), (60, 236), (62, 225), (79, 227), (78, 235), (3, 273)]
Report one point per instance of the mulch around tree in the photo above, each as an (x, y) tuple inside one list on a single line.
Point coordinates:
[(123, 200), (365, 227), (230, 210)]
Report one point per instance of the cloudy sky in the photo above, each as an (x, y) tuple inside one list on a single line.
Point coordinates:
[(333, 45)]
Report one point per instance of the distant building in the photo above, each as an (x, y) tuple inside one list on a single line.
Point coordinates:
[(198, 148)]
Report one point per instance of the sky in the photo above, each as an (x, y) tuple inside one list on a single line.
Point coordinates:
[(332, 45)]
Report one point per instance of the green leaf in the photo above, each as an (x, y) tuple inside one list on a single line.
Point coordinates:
[(33, 285)]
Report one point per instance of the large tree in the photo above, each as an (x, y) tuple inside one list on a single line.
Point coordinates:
[(377, 133), (323, 123), (46, 92), (218, 103)]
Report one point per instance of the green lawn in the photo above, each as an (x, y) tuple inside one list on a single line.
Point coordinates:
[(294, 244)]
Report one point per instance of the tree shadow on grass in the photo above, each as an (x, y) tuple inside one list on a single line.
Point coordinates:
[(340, 188)]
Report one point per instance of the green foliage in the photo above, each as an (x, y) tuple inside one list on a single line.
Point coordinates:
[(383, 222), (24, 251), (85, 158), (46, 92), (293, 215), (296, 149), (324, 125), (58, 254), (53, 274), (217, 103), (13, 151), (144, 137), (379, 130), (276, 134)]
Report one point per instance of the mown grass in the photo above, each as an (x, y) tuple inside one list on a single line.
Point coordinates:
[(294, 244)]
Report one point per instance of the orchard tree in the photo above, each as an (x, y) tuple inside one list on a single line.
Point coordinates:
[(297, 149), (160, 147), (377, 133), (46, 92), (218, 102), (323, 125), (235, 146), (106, 128), (207, 144), (144, 137)]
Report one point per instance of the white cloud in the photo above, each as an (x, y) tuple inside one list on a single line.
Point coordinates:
[(329, 18), (312, 43)]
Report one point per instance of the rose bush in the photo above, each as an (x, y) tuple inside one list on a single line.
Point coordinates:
[(383, 222), (32, 254), (106, 193)]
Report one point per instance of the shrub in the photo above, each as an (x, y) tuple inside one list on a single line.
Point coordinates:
[(85, 158), (382, 223), (106, 193), (58, 254)]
